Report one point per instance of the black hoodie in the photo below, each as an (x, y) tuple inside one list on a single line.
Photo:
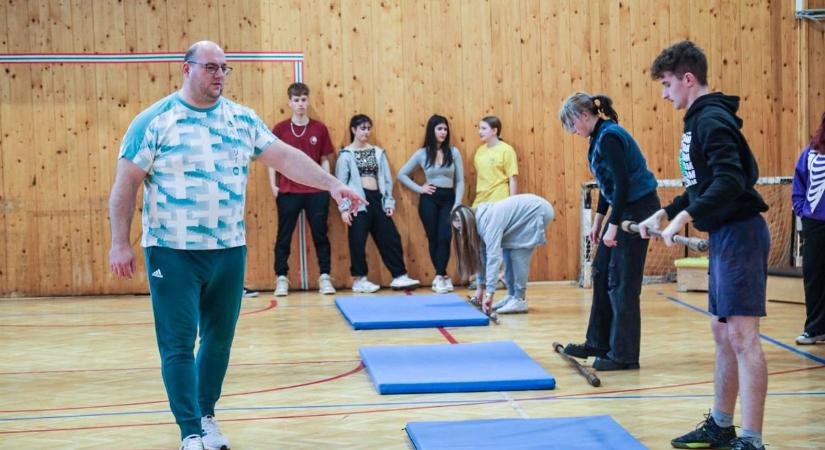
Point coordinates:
[(718, 168)]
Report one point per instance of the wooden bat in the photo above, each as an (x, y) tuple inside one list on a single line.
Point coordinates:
[(588, 375), (693, 243)]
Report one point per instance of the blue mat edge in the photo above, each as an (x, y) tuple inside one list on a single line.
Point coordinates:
[(478, 322), (397, 388), (417, 445)]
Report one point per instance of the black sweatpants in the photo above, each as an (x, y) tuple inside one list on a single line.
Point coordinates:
[(615, 319), (290, 205), (813, 274), (434, 211), (374, 221)]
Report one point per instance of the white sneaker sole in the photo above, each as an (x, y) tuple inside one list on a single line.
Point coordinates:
[(327, 291), (280, 294)]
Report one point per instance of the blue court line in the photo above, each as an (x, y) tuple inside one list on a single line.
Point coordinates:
[(414, 403), (763, 336)]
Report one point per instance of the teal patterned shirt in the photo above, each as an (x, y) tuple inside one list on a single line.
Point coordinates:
[(197, 165)]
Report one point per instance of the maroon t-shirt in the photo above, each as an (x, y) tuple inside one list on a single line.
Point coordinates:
[(313, 139)]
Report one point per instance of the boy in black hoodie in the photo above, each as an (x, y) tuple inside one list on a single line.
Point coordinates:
[(719, 173)]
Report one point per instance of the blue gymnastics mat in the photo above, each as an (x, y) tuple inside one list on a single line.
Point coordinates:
[(409, 311), (564, 433), (487, 366)]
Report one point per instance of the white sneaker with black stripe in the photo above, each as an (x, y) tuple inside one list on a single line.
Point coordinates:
[(213, 439), (192, 442)]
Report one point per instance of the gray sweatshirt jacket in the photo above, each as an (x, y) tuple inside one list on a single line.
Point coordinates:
[(515, 222), (346, 170)]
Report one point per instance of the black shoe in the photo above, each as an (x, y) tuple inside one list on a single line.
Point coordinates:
[(741, 443), (583, 351), (605, 363), (250, 292), (707, 435)]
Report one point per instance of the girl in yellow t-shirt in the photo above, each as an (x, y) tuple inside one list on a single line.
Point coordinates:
[(495, 163)]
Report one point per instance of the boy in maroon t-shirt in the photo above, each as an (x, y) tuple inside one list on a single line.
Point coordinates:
[(311, 137)]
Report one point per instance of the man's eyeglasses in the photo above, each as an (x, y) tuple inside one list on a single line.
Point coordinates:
[(212, 69)]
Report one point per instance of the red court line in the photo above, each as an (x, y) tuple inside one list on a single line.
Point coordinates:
[(373, 411), (272, 304), (127, 369), (152, 402), (447, 335)]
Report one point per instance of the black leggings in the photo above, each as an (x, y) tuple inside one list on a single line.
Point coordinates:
[(434, 211)]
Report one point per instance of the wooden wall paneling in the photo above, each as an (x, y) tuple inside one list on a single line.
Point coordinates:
[(680, 29), (110, 24), (90, 258), (449, 92), (5, 150), (474, 22), (531, 116), (787, 73), (463, 59), (326, 74), (418, 101), (815, 94), (70, 186), (660, 157), (261, 217), (555, 87), (575, 161), (359, 98), (44, 189), (752, 106), (388, 70), (771, 84)]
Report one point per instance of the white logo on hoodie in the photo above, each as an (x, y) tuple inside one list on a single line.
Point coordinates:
[(686, 166)]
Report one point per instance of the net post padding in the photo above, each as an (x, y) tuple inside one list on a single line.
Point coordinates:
[(659, 267)]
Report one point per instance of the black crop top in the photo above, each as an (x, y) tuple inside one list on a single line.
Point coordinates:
[(367, 162)]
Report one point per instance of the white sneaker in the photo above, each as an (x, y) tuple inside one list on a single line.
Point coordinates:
[(501, 302), (806, 339), (438, 286), (281, 286), (514, 306), (448, 284), (404, 282), (192, 442), (325, 284), (364, 285), (213, 439)]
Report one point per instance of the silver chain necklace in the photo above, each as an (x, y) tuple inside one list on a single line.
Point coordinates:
[(292, 128)]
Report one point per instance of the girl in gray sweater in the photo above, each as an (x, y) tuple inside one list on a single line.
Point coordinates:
[(440, 193), (508, 230)]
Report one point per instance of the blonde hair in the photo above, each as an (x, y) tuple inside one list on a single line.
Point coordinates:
[(582, 101), (466, 242)]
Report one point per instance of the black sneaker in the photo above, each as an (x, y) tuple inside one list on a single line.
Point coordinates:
[(250, 292), (604, 363), (741, 443), (583, 351), (707, 435)]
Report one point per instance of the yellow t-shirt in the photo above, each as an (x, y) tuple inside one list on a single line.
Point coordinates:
[(494, 167)]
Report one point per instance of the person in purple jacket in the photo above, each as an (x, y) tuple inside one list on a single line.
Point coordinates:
[(808, 189)]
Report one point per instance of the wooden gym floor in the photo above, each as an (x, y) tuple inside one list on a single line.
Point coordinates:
[(82, 373)]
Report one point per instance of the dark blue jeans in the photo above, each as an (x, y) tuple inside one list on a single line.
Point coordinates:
[(615, 320)]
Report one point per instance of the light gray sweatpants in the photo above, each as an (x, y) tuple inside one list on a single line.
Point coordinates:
[(516, 270)]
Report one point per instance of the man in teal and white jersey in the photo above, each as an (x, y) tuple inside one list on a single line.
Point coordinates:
[(191, 150)]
